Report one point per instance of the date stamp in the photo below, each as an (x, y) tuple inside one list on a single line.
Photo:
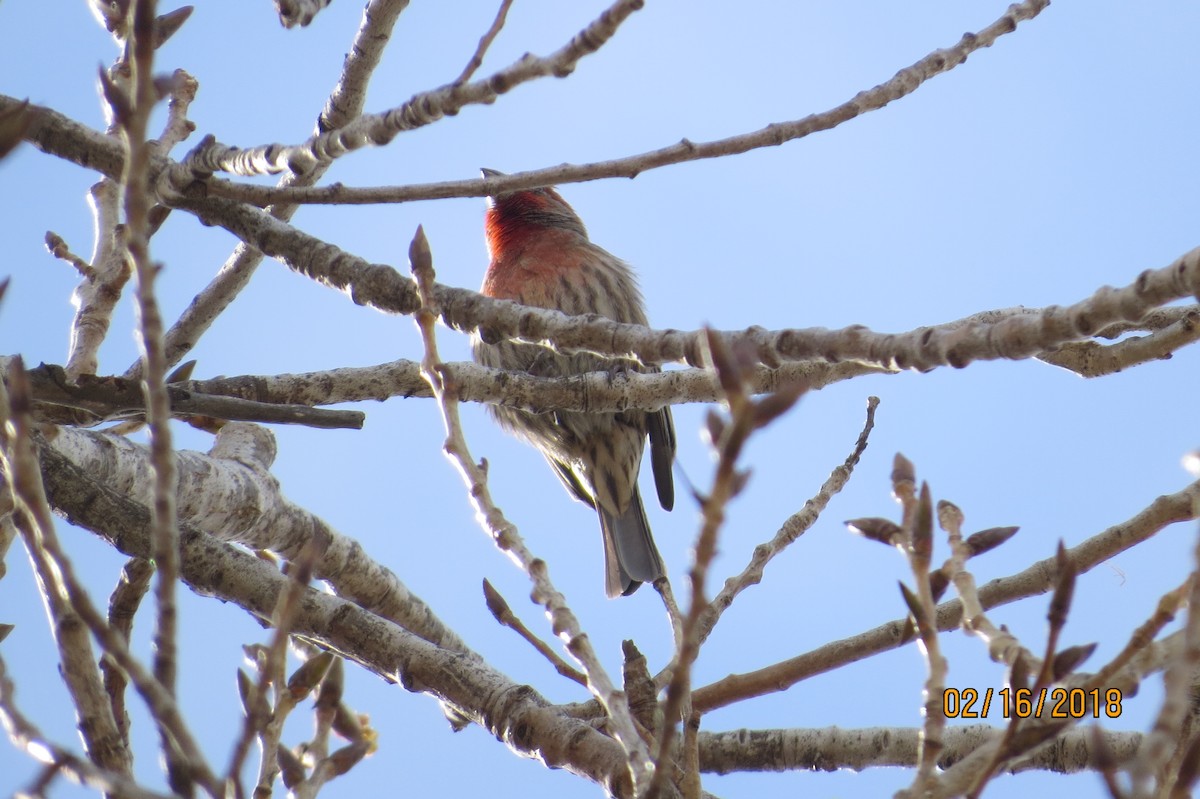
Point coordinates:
[(1026, 703)]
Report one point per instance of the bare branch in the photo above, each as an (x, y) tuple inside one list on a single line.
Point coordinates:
[(525, 720), (103, 281), (344, 104), (594, 392), (377, 130), (423, 109), (91, 400), (882, 747), (505, 534), (59, 249), (122, 606), (796, 525), (503, 614), (728, 437), (25, 735), (1036, 579), (957, 344), (136, 201), (56, 579), (917, 531), (1165, 736), (181, 89), (231, 493), (64, 588), (56, 134), (272, 669), (1091, 359), (484, 43), (954, 344), (349, 95)]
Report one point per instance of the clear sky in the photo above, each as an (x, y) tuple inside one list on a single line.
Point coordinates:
[(1062, 159)]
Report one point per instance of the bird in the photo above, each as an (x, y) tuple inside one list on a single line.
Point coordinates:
[(540, 255)]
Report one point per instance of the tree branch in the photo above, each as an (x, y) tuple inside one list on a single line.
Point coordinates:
[(423, 109), (905, 82), (882, 747), (593, 392), (515, 714), (1036, 579), (954, 344), (91, 400), (231, 493), (344, 104), (505, 535)]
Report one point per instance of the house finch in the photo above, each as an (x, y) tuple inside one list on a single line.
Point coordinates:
[(541, 255)]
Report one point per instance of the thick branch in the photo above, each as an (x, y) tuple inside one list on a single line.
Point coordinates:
[(514, 713), (956, 344), (594, 392), (59, 135), (91, 400), (231, 494), (835, 748), (953, 344)]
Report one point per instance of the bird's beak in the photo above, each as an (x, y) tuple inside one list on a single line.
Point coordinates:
[(490, 173)]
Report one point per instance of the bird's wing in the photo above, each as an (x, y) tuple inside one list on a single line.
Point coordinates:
[(662, 454), (571, 481)]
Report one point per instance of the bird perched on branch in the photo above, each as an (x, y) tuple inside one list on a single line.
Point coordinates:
[(541, 256)]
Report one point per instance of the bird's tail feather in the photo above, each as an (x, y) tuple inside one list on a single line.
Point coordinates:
[(630, 557)]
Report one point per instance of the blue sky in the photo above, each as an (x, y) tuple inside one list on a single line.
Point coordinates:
[(1059, 160)]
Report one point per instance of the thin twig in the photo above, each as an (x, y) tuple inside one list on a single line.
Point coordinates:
[(796, 525), (345, 103), (1092, 359), (182, 90), (423, 109), (675, 616), (429, 106), (690, 784), (134, 121), (484, 43), (102, 283), (62, 580), (122, 606), (505, 534), (59, 249), (1036, 579), (504, 615), (25, 735), (592, 392), (34, 521), (1169, 604), (271, 670), (918, 538), (729, 437), (91, 400), (1163, 738)]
